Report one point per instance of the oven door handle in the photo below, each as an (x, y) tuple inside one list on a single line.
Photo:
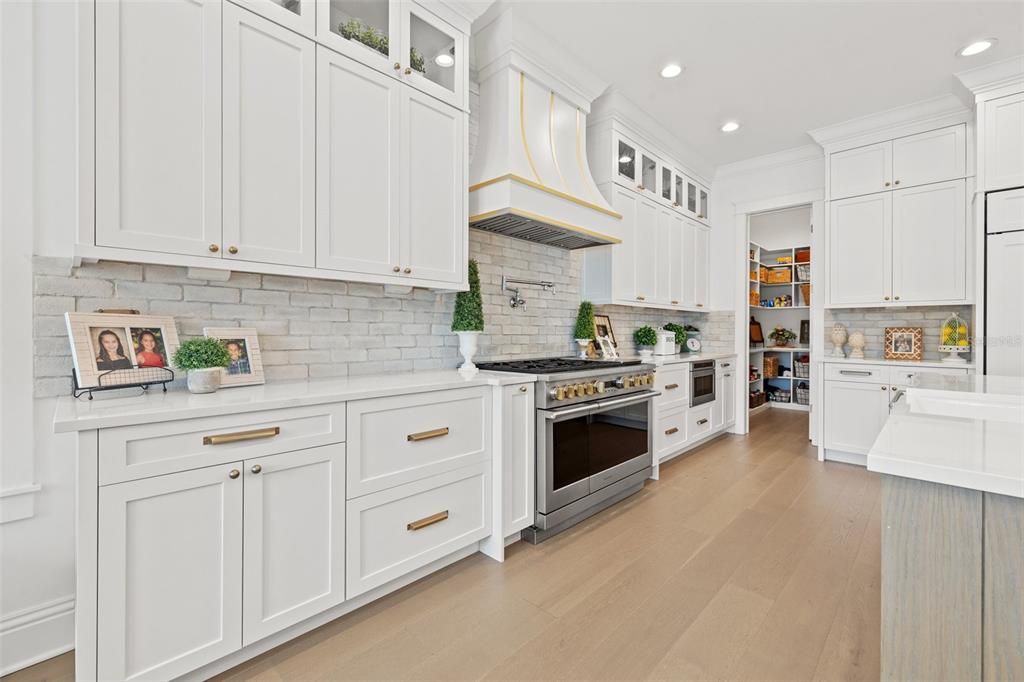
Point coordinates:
[(568, 412), (629, 400)]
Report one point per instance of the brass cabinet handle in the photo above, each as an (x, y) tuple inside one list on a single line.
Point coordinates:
[(222, 438), (427, 435), (856, 372), (641, 298), (701, 422), (671, 431), (427, 521), (214, 248), (729, 374), (234, 473), (522, 389), (670, 387), (256, 468), (396, 269), (675, 302), (700, 305), (232, 249)]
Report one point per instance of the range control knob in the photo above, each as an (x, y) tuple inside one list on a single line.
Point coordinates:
[(620, 382), (590, 388), (570, 391), (581, 390), (599, 386), (557, 393)]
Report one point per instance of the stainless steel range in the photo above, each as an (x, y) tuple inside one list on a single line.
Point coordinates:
[(594, 436)]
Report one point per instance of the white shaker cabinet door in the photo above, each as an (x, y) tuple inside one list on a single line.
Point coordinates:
[(358, 226), (860, 171), (298, 15), (169, 573), (645, 250), (929, 243), (690, 263), (517, 457), (1003, 143), (269, 141), (933, 156), (158, 134), (294, 538), (854, 415), (859, 253), (701, 266), (1004, 314), (627, 202), (667, 222), (676, 264), (434, 202)]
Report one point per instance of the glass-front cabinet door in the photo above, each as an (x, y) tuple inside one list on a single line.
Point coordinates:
[(678, 189), (433, 55), (690, 206), (625, 161), (666, 184), (298, 15), (648, 173), (702, 203), (366, 30)]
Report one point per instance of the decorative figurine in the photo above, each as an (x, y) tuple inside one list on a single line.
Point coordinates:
[(838, 340), (857, 343)]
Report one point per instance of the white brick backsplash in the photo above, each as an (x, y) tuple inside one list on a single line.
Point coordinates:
[(873, 321), (317, 328)]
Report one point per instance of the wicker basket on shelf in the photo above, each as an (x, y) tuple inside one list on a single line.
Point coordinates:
[(777, 275), (757, 399), (803, 394), (805, 291), (803, 255), (803, 273), (801, 370)]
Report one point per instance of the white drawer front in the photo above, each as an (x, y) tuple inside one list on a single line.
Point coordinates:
[(132, 452), (699, 422), (401, 529), (902, 376), (674, 383), (400, 439), (670, 436), (868, 374)]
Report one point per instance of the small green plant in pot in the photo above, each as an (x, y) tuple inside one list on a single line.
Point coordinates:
[(584, 332), (680, 333), (781, 336), (204, 359), (468, 319), (645, 339)]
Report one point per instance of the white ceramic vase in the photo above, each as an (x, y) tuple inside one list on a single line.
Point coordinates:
[(204, 380), (584, 344), (468, 342), (645, 352)]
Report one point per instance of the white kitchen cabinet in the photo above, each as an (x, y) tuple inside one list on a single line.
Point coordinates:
[(677, 232), (929, 243), (339, 22), (358, 167), (723, 413), (860, 171), (434, 55), (1002, 143), (700, 262), (158, 126), (517, 458), (169, 574), (859, 253), (668, 222), (1004, 211), (689, 264), (434, 205), (294, 559), (645, 251), (269, 129), (928, 157), (298, 15), (1005, 281), (854, 415)]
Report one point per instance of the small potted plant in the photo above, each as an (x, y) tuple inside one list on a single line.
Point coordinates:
[(468, 320), (204, 358), (584, 332), (781, 336), (645, 339), (680, 333)]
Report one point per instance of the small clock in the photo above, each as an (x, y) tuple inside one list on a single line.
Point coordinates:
[(693, 345)]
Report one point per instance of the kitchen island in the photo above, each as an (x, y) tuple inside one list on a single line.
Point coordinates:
[(951, 456)]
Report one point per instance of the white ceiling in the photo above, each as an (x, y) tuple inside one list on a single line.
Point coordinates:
[(780, 69)]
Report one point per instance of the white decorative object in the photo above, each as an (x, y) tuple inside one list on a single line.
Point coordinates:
[(608, 351), (954, 339), (839, 337), (205, 380), (584, 344), (857, 343), (646, 353), (467, 348)]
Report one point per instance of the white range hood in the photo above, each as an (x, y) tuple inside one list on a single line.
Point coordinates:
[(529, 177)]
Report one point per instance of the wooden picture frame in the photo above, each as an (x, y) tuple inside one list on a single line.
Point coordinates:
[(904, 343), (756, 333), (805, 333), (246, 368), (142, 354), (603, 329)]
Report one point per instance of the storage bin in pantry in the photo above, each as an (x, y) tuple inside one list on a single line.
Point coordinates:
[(803, 273), (803, 255), (777, 275), (803, 393), (801, 369), (771, 367), (757, 399)]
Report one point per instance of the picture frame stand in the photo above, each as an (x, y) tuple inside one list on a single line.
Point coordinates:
[(140, 378)]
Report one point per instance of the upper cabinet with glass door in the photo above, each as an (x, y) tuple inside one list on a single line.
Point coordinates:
[(298, 15), (401, 38), (637, 167)]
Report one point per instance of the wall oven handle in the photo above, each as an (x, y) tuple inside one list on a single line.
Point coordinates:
[(629, 400)]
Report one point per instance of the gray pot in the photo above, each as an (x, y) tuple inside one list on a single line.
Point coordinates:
[(204, 380)]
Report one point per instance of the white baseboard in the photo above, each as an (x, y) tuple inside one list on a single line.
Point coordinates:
[(36, 634), (846, 457)]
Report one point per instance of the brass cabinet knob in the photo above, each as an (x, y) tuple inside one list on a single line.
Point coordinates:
[(396, 269), (700, 215), (407, 270), (896, 183), (256, 468), (407, 71), (641, 298), (676, 204), (214, 248), (234, 473), (640, 187), (397, 66), (885, 388), (887, 184), (887, 298), (675, 302), (522, 389), (232, 249), (700, 305), (897, 297)]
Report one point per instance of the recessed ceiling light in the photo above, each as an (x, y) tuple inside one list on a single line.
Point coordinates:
[(444, 60), (730, 127), (977, 47), (671, 71)]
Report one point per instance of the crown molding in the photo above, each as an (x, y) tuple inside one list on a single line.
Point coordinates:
[(758, 164), (898, 122), (470, 10), (983, 80)]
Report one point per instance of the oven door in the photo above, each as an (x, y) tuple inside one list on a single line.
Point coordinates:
[(702, 387), (563, 464), (621, 439)]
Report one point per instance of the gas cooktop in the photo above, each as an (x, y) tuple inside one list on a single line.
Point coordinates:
[(554, 365)]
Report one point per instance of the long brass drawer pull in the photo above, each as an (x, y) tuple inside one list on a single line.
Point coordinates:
[(427, 435), (669, 387), (427, 521), (238, 436), (702, 422), (671, 431)]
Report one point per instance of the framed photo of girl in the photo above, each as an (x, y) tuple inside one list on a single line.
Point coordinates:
[(246, 366), (110, 350)]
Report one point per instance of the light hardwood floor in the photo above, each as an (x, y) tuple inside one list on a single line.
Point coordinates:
[(748, 560)]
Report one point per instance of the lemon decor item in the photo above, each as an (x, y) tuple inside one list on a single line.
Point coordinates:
[(954, 339)]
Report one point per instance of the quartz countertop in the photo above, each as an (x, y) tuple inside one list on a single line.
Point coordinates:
[(108, 411), (883, 361), (689, 357), (981, 449)]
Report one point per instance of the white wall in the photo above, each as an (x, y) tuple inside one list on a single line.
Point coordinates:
[(782, 229)]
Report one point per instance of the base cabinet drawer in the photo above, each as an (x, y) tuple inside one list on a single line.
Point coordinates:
[(398, 530), (674, 383), (868, 374), (670, 436), (699, 422), (400, 439)]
